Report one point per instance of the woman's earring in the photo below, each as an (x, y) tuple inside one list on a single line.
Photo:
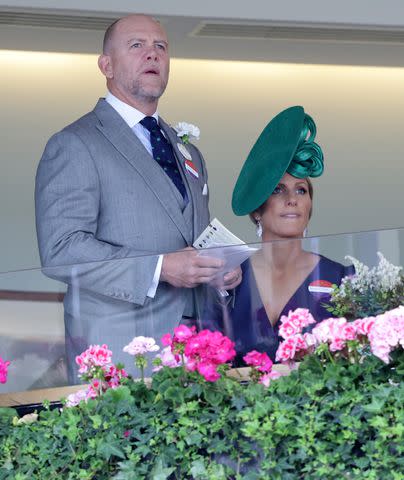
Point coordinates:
[(305, 232), (259, 229)]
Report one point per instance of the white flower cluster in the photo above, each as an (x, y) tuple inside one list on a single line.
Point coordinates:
[(187, 130), (363, 279), (384, 277), (341, 292), (389, 276), (141, 345)]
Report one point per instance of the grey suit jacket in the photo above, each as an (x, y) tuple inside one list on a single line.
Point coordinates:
[(104, 211)]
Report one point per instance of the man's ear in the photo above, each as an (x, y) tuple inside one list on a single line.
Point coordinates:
[(105, 65)]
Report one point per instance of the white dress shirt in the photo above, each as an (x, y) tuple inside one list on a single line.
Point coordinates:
[(132, 117)]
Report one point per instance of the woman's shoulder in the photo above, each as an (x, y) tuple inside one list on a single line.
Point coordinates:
[(328, 265)]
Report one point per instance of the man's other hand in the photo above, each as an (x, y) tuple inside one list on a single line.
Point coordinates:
[(186, 268)]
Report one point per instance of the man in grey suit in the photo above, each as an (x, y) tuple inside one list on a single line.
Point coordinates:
[(111, 222)]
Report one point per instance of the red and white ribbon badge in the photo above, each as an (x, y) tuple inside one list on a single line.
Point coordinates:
[(190, 166), (320, 286)]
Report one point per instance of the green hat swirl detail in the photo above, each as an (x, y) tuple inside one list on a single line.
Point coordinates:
[(285, 145), (308, 160)]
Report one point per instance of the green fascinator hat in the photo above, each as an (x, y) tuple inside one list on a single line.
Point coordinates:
[(285, 145)]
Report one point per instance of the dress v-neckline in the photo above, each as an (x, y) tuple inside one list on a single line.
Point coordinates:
[(274, 325)]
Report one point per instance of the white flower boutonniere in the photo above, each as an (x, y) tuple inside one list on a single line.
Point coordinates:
[(187, 131)]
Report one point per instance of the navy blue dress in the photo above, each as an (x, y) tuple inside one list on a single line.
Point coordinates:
[(244, 319)]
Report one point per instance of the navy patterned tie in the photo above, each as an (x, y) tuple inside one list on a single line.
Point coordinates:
[(163, 153)]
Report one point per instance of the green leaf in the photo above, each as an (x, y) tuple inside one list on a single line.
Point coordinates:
[(376, 406), (107, 450), (198, 469), (97, 420), (7, 414), (238, 402), (174, 394), (194, 438), (160, 472), (213, 397)]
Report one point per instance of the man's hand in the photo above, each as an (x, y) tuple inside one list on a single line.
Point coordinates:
[(186, 268)]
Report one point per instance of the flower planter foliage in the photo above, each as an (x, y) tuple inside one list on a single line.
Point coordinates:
[(340, 420), (339, 415)]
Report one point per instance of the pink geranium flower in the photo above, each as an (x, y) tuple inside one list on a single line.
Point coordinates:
[(113, 375), (209, 371), (286, 350), (202, 352), (363, 326), (287, 328), (384, 333), (322, 331), (267, 377), (387, 333), (95, 389), (3, 370), (94, 356), (310, 340), (336, 332), (75, 398), (210, 345), (259, 360), (96, 367), (182, 333), (167, 340), (301, 317), (205, 351), (261, 367), (295, 322), (167, 359)]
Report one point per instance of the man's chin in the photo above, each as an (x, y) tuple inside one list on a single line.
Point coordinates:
[(150, 94)]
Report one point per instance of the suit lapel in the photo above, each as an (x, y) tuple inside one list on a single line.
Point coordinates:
[(115, 129), (192, 186)]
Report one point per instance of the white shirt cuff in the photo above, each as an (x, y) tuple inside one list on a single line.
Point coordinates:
[(156, 278)]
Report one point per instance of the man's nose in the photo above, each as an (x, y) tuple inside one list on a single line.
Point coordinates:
[(152, 53)]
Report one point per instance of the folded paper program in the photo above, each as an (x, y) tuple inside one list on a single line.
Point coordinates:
[(219, 242)]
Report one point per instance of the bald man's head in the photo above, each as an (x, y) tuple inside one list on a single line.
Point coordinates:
[(109, 32), (135, 61)]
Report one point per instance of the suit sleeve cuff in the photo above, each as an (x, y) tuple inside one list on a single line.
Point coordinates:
[(156, 278)]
